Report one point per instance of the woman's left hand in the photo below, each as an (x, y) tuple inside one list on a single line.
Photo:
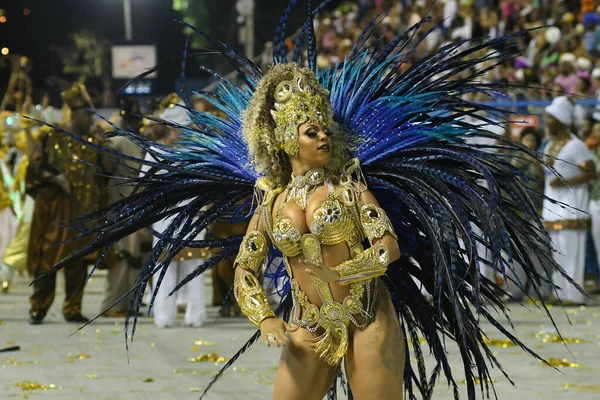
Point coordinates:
[(322, 272)]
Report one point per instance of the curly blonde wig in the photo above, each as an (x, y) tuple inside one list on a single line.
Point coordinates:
[(258, 127)]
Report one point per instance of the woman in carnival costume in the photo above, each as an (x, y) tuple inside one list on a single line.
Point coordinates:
[(363, 179)]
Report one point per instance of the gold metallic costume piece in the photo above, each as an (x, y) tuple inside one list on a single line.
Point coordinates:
[(375, 222), (337, 220), (371, 263), (251, 298), (247, 289), (253, 252), (296, 103)]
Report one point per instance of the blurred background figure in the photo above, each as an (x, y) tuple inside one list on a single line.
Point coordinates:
[(63, 188), (123, 273), (192, 297), (14, 172), (567, 227)]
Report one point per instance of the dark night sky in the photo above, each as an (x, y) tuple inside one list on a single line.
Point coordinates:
[(51, 22)]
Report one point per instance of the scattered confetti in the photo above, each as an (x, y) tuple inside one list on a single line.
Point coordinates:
[(98, 340), (1, 322), (13, 361), (213, 357), (10, 342), (78, 356), (195, 348), (115, 331), (504, 343), (92, 376), (548, 338), (32, 385), (35, 353), (589, 388), (152, 344), (477, 381), (568, 385), (148, 380), (194, 389), (555, 362), (204, 343)]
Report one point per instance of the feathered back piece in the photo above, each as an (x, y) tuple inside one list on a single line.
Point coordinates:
[(457, 207)]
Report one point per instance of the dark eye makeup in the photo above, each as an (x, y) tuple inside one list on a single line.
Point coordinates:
[(313, 131)]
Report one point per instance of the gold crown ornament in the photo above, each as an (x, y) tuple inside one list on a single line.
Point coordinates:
[(296, 103), (77, 97)]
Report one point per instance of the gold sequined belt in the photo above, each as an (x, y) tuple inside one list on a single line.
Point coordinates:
[(575, 224), (333, 318)]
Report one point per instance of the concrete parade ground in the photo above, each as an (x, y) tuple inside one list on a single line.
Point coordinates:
[(178, 362)]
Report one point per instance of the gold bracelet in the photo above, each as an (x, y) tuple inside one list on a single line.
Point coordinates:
[(369, 264), (252, 299), (253, 252), (375, 222)]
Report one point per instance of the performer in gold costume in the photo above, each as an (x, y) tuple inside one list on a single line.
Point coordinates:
[(61, 178), (317, 215), (15, 255)]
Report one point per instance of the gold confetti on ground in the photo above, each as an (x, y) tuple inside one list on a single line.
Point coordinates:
[(1, 322), (568, 386), (32, 385), (194, 389), (147, 380), (557, 339), (36, 353), (589, 388), (504, 343), (98, 340), (98, 331), (213, 357), (115, 331), (477, 381), (13, 361), (78, 356), (204, 343), (195, 348), (558, 363), (10, 342), (92, 376)]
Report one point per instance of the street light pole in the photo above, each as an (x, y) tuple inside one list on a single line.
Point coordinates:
[(250, 33), (128, 20), (245, 8)]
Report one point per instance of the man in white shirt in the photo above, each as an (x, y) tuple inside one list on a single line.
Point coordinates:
[(567, 225)]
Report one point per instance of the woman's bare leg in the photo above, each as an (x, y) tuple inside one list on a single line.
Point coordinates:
[(376, 356), (301, 375)]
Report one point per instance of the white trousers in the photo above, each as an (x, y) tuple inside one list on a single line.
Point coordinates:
[(595, 213), (165, 306), (517, 280), (570, 255), (8, 229)]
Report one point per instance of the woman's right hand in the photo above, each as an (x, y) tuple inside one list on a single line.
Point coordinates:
[(277, 328)]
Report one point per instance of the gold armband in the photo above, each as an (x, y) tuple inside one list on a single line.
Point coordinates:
[(375, 222), (253, 252), (251, 298), (369, 264)]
